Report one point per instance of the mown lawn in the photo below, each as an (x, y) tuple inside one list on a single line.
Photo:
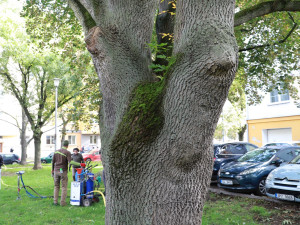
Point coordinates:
[(42, 211), (218, 210)]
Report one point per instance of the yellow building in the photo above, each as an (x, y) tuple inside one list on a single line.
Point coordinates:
[(275, 119), (277, 129)]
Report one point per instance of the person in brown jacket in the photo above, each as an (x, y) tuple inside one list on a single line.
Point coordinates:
[(60, 161)]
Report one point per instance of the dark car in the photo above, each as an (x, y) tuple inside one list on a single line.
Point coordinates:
[(249, 172), (47, 159), (228, 152), (11, 158)]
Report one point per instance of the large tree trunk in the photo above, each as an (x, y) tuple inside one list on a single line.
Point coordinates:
[(241, 132), (157, 144), (23, 139), (37, 150)]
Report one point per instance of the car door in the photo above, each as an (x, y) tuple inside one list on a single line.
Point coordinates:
[(96, 156), (7, 159)]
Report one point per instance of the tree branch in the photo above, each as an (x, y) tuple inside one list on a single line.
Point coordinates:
[(275, 43), (81, 12), (265, 8)]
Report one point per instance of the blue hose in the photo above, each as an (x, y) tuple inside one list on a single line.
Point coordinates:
[(31, 195)]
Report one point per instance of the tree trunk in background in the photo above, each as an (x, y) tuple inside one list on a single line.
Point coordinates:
[(241, 132), (37, 150), (23, 139), (159, 176)]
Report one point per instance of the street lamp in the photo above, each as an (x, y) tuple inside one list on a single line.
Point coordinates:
[(56, 83)]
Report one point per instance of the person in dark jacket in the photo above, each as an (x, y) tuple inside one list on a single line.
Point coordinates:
[(60, 161), (76, 157)]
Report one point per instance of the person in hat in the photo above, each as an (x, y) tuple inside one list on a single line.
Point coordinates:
[(60, 161), (76, 157)]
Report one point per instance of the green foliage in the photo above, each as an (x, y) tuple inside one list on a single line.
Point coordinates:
[(52, 24), (268, 53), (159, 51)]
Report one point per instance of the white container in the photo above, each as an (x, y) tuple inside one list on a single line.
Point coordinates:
[(75, 193)]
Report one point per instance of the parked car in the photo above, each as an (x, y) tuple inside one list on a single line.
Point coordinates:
[(250, 171), (228, 152), (47, 159), (92, 156), (10, 158), (276, 144), (284, 182)]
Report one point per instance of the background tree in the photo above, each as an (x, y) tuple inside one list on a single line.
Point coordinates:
[(53, 25), (24, 140), (27, 72)]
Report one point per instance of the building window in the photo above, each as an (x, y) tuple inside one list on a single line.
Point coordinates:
[(50, 140), (72, 140), (279, 96), (93, 139)]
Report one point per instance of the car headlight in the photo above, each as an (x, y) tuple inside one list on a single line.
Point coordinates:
[(246, 172)]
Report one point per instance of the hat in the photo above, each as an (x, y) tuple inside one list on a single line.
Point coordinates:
[(66, 143)]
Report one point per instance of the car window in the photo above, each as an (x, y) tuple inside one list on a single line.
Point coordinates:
[(296, 160), (217, 150), (286, 155), (250, 147), (260, 155), (7, 156), (235, 149)]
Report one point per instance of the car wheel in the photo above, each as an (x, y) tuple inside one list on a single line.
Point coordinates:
[(88, 160), (261, 189), (14, 163), (44, 161)]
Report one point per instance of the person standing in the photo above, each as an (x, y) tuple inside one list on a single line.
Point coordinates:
[(76, 157), (60, 161), (1, 164)]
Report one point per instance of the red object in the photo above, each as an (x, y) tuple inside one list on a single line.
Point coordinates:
[(82, 165), (92, 156), (79, 170)]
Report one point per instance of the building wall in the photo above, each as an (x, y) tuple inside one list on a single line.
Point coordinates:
[(256, 128)]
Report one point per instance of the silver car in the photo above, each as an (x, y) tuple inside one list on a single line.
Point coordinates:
[(284, 182)]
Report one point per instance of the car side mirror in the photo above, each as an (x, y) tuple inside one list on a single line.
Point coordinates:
[(277, 162)]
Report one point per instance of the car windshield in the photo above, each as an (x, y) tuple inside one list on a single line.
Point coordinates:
[(259, 155), (296, 160)]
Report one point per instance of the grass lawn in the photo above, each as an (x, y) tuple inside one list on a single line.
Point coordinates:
[(218, 210), (42, 211)]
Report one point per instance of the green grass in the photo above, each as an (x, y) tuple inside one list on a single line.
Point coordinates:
[(218, 210), (42, 211), (229, 211)]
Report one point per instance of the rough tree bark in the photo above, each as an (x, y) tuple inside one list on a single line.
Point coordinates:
[(23, 138), (37, 150), (158, 169)]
